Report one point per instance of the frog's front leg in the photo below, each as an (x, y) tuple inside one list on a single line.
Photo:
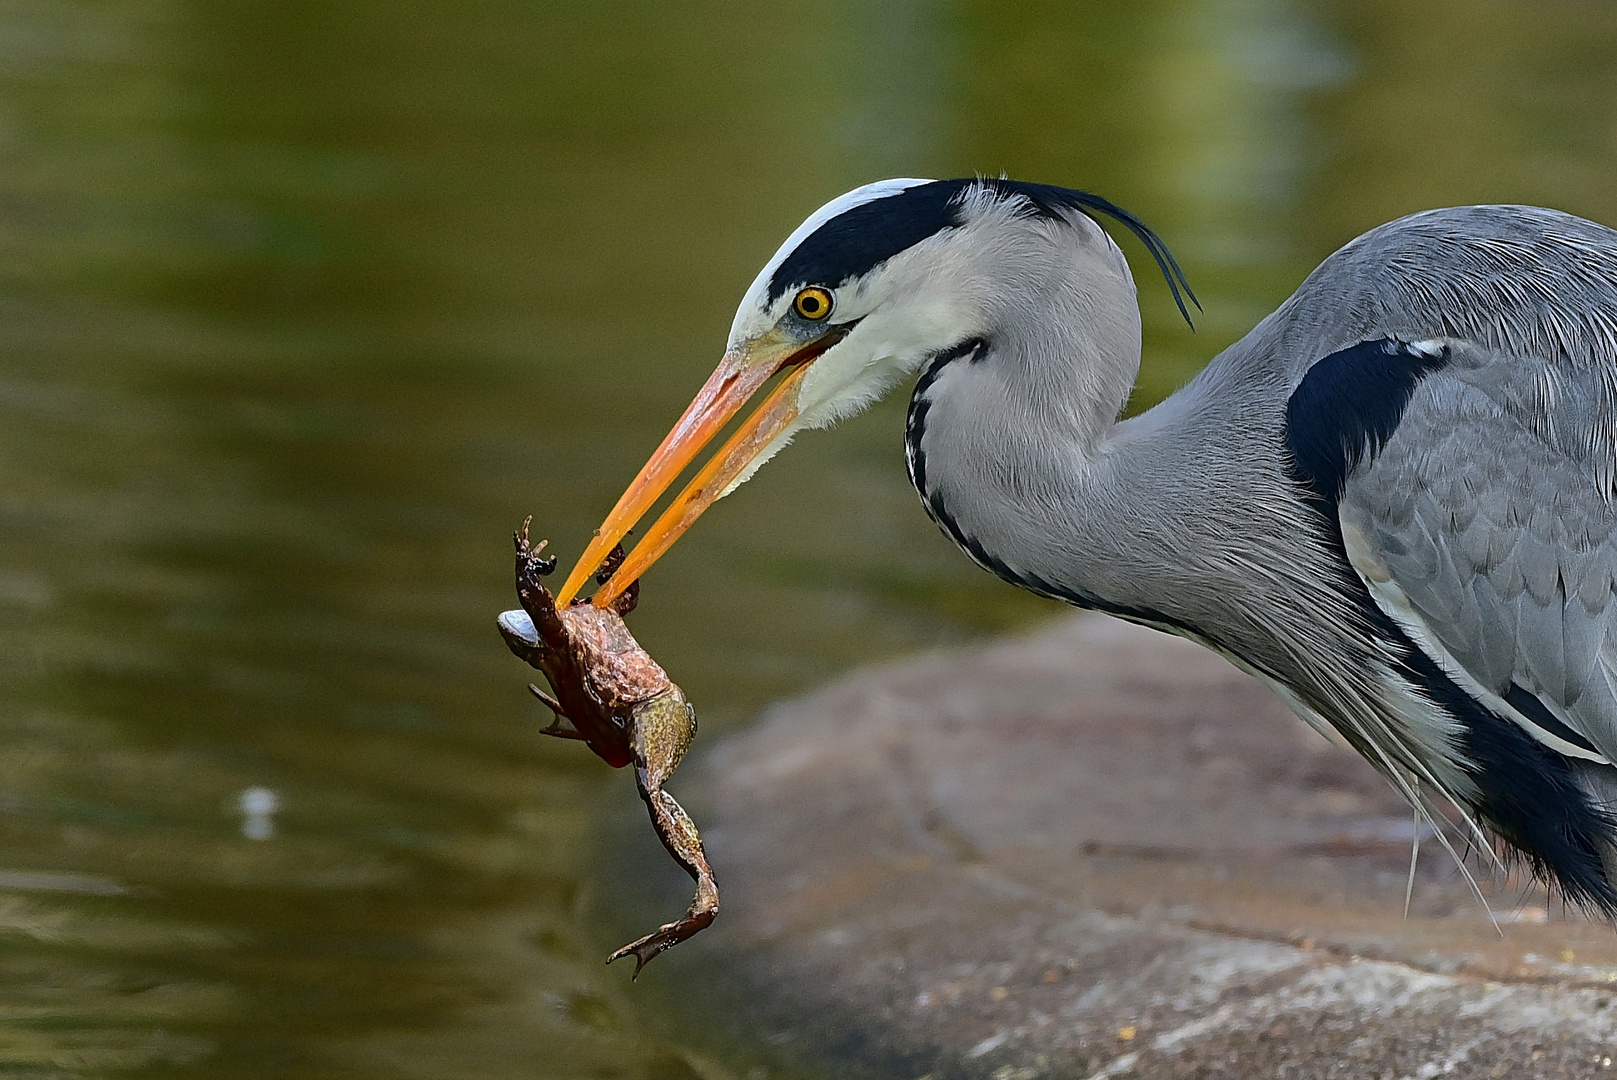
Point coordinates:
[(534, 631), (560, 726), (664, 727)]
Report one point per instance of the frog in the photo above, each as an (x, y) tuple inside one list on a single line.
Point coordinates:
[(607, 692)]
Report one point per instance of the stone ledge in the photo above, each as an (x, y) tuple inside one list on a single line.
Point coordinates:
[(1102, 851)]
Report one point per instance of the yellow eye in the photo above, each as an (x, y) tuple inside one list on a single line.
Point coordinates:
[(813, 304)]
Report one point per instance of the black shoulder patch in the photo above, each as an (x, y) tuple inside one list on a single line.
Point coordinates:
[(1348, 406), (858, 240)]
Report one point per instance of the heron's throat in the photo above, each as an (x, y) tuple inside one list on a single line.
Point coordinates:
[(1026, 405), (1004, 438)]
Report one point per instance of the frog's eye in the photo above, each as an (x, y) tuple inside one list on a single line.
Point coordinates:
[(813, 303)]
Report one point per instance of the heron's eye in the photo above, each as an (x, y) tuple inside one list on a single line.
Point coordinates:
[(813, 304)]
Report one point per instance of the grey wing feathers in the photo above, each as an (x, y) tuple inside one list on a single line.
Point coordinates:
[(1488, 515), (1497, 541)]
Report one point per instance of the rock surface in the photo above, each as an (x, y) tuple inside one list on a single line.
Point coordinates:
[(1101, 851)]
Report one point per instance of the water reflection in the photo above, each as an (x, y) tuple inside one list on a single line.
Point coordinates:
[(305, 306)]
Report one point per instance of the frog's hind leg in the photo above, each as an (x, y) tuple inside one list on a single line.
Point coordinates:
[(664, 728), (684, 843)]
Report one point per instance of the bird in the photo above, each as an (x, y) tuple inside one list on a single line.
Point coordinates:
[(1394, 500)]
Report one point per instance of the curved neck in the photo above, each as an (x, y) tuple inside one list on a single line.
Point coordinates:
[(1011, 424), (1015, 447), (1017, 452)]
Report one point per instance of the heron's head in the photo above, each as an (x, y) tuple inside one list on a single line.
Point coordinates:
[(865, 290)]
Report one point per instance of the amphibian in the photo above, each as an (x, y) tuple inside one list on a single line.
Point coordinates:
[(607, 691)]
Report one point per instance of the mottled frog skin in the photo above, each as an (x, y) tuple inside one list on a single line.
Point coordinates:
[(607, 692)]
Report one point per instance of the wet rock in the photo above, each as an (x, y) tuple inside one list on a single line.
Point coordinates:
[(1101, 851)]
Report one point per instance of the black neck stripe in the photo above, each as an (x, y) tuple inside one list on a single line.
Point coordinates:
[(921, 404)]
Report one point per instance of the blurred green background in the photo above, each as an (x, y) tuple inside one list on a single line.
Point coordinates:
[(304, 305)]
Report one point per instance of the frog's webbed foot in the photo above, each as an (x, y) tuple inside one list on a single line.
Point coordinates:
[(560, 726), (678, 834), (629, 598), (702, 912)]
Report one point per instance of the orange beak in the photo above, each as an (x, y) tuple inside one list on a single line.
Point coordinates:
[(738, 377)]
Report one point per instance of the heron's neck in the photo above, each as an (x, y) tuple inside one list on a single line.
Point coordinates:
[(1009, 435), (1020, 458), (1028, 406)]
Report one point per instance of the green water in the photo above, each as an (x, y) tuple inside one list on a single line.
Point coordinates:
[(303, 306)]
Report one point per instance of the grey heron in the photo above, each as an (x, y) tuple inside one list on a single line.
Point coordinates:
[(1394, 500)]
